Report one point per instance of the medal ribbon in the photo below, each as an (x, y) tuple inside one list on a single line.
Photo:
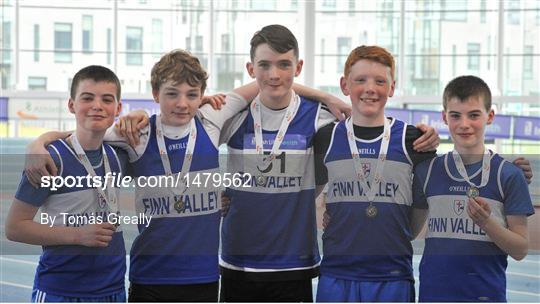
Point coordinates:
[(461, 168), (188, 155), (385, 141), (110, 199), (280, 136)]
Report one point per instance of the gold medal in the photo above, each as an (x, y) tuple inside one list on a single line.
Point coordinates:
[(371, 211), (179, 205), (473, 192)]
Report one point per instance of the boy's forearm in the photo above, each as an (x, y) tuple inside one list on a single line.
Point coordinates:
[(509, 241), (30, 232), (248, 91), (47, 138), (418, 221), (310, 93)]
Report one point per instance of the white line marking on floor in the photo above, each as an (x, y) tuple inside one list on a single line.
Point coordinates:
[(18, 261), (519, 274), (15, 285), (524, 293)]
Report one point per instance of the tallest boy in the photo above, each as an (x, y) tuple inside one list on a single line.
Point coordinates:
[(269, 243)]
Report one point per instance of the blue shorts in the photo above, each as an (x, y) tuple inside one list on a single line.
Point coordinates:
[(338, 290), (39, 296)]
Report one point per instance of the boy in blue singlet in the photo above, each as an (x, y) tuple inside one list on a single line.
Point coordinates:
[(477, 205), (370, 160), (83, 257)]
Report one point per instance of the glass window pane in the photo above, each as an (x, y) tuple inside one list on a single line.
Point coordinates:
[(62, 42), (61, 48), (134, 45), (371, 23), (87, 33), (521, 56), (37, 83), (437, 48)]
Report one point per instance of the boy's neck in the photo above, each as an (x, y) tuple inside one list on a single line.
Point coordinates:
[(471, 155), (364, 121), (277, 104), (89, 140)]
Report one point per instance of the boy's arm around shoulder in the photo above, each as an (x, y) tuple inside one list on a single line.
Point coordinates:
[(235, 102), (38, 161)]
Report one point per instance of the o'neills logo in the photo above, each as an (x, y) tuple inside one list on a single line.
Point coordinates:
[(457, 188)]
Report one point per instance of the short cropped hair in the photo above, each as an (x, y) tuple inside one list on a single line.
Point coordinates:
[(278, 37), (179, 66), (96, 73), (372, 53), (463, 87)]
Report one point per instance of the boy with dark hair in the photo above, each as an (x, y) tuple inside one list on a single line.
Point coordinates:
[(269, 244), (83, 256), (465, 254)]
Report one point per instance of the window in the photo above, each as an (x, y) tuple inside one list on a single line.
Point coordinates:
[(198, 44), (36, 42), (329, 3), (188, 43), (483, 11), (62, 42), (352, 8), (473, 54), (109, 45), (37, 83), (6, 42), (225, 43), (263, 5), (528, 62), (134, 45), (322, 54), (454, 61), (513, 12), (87, 41), (454, 10), (157, 37), (343, 49)]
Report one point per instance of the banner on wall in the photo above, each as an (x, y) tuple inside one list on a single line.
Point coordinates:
[(401, 114), (500, 128), (35, 109), (526, 127), (431, 118)]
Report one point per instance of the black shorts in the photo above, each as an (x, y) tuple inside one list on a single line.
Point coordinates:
[(233, 290), (207, 292)]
